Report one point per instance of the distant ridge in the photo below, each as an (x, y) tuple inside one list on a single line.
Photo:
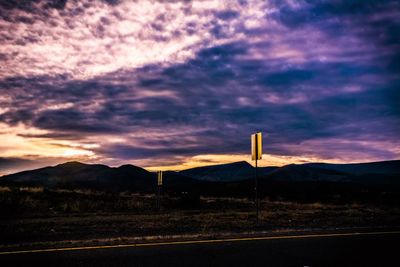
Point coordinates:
[(76, 174), (383, 172), (97, 176), (236, 171), (221, 172), (305, 172), (379, 167), (205, 179)]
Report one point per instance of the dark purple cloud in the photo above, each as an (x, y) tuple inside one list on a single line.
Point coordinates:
[(319, 79)]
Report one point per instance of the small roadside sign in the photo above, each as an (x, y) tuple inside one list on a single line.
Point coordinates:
[(256, 146), (159, 178)]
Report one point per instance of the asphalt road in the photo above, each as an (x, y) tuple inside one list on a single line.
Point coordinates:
[(326, 250)]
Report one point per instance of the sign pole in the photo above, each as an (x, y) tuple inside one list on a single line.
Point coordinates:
[(158, 197), (256, 189), (159, 184), (256, 154)]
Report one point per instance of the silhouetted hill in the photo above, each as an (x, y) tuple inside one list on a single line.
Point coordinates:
[(311, 182), (304, 172), (381, 167), (377, 181), (78, 175), (384, 173), (236, 171), (96, 176)]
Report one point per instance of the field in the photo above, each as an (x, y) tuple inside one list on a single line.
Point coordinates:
[(36, 216)]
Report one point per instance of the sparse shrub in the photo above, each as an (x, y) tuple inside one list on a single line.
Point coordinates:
[(72, 206), (29, 202), (31, 189), (4, 189)]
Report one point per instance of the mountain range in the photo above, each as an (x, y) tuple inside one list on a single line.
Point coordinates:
[(220, 179)]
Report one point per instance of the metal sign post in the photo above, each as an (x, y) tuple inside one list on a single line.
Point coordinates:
[(159, 184), (256, 154)]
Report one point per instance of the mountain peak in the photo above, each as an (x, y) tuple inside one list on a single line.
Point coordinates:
[(71, 164), (127, 166), (243, 162), (234, 171)]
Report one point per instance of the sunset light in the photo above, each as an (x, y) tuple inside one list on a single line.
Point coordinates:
[(199, 133), (172, 85)]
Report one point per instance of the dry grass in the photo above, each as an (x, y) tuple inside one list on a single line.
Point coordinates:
[(31, 189), (4, 189), (34, 214), (275, 217)]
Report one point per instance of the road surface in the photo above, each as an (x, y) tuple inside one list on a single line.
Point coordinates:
[(372, 249)]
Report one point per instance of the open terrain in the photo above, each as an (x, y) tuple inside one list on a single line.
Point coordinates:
[(34, 217), (73, 204)]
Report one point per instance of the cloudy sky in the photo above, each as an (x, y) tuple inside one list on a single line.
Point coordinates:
[(175, 84)]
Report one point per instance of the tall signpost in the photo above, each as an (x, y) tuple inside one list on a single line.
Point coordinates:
[(256, 154), (159, 184)]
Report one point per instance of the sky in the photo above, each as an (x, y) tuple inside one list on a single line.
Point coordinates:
[(177, 84)]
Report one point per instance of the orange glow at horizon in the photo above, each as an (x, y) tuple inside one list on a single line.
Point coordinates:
[(25, 142), (214, 159)]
